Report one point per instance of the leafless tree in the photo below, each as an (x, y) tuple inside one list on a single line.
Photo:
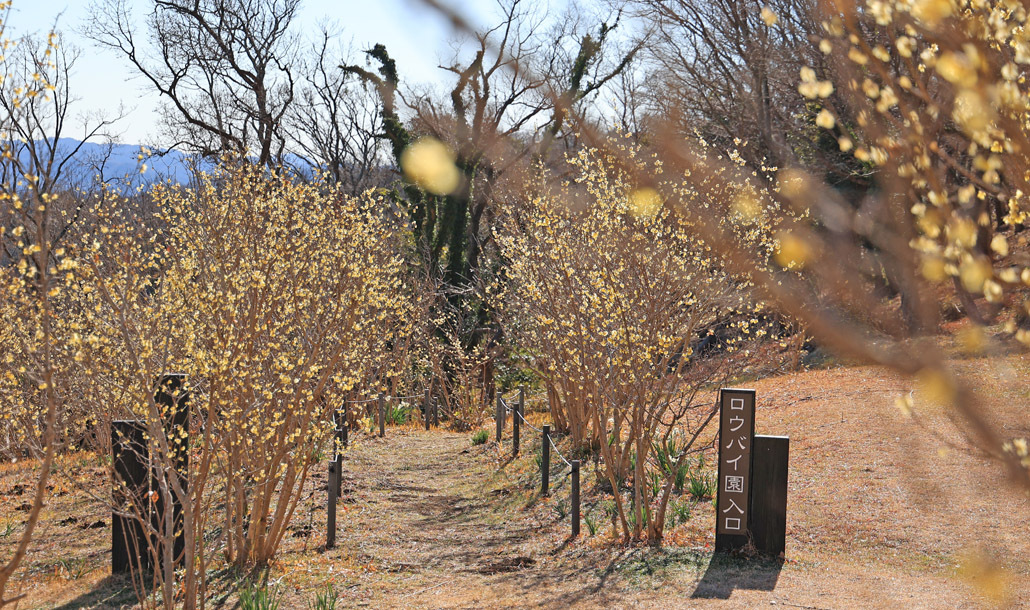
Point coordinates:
[(35, 113), (335, 124), (725, 73), (43, 135), (226, 68), (494, 116)]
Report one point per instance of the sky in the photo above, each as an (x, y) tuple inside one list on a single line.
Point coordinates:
[(103, 81)]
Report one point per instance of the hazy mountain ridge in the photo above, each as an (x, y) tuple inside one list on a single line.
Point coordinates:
[(122, 163), (115, 163)]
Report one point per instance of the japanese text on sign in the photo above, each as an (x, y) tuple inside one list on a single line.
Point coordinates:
[(736, 432)]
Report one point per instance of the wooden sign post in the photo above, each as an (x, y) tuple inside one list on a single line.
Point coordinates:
[(736, 437), (130, 550), (133, 544), (769, 460), (752, 494), (172, 398)]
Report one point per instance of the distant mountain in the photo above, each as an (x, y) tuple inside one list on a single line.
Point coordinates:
[(120, 164)]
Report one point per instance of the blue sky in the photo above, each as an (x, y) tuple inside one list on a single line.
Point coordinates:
[(103, 81)]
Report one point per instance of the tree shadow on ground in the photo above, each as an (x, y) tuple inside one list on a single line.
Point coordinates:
[(726, 574), (606, 581), (111, 592)]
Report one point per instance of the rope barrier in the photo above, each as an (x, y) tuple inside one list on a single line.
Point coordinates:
[(355, 402), (529, 424), (557, 486), (359, 402), (368, 400), (558, 451)]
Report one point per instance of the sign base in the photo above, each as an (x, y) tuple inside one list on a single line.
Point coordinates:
[(730, 543)]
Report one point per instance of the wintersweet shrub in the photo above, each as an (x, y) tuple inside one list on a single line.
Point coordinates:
[(272, 295), (608, 291)]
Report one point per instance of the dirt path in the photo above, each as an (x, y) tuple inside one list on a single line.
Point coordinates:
[(415, 508), (875, 520), (429, 522)]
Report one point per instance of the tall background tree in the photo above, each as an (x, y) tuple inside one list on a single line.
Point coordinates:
[(225, 68), (335, 123), (511, 86)]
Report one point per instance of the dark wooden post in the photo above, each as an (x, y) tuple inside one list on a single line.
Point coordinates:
[(769, 460), (515, 431), (382, 415), (499, 417), (332, 491), (521, 407), (575, 498), (436, 413), (342, 427), (545, 462), (341, 441), (172, 400), (425, 408), (129, 547)]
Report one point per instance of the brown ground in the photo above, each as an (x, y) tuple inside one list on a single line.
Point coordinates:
[(882, 514)]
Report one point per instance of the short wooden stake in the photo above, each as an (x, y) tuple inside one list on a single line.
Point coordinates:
[(545, 462), (332, 491), (575, 498), (382, 415), (499, 417), (341, 439), (425, 408), (515, 431)]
